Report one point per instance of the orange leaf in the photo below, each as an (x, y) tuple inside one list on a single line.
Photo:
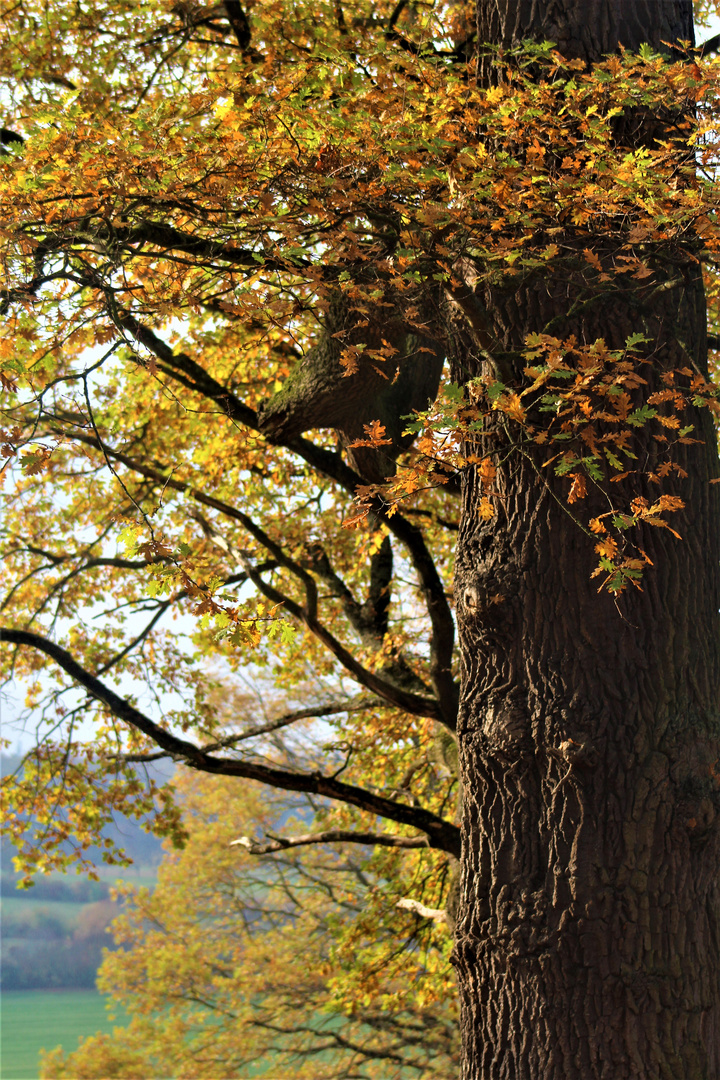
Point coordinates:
[(375, 436), (607, 547), (578, 489), (487, 471)]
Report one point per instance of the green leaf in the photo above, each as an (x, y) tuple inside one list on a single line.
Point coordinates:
[(640, 416), (614, 461)]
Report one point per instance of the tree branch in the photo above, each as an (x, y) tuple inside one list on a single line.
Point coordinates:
[(369, 620), (291, 718), (441, 834), (272, 725), (332, 836), (168, 238), (437, 914), (331, 465), (415, 704), (394, 695), (202, 382), (239, 22), (442, 640), (710, 46)]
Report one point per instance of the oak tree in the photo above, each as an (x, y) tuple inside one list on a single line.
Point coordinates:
[(239, 246)]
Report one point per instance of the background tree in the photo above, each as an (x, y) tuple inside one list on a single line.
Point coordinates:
[(291, 966), (239, 244)]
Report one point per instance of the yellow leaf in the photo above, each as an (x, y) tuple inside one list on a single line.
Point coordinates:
[(607, 547), (485, 510)]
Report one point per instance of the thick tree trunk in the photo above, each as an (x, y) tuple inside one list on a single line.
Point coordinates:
[(588, 929), (585, 29)]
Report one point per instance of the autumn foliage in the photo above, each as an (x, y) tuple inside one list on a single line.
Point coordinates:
[(290, 966), (201, 194)]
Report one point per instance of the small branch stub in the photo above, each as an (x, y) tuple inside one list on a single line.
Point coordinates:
[(436, 914)]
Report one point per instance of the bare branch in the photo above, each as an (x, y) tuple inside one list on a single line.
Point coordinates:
[(332, 836), (369, 619), (239, 22), (394, 695), (397, 12), (202, 382), (441, 618), (291, 718)]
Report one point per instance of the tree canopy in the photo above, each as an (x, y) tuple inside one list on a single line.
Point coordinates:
[(177, 246), (278, 282)]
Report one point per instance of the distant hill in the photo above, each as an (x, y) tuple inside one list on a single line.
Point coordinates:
[(54, 933), (142, 847)]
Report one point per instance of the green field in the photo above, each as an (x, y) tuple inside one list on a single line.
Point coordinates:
[(21, 909), (35, 1019)]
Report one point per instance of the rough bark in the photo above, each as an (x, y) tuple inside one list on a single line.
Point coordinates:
[(588, 929), (584, 29)]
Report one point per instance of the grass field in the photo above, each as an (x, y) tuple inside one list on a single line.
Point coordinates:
[(36, 1019)]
